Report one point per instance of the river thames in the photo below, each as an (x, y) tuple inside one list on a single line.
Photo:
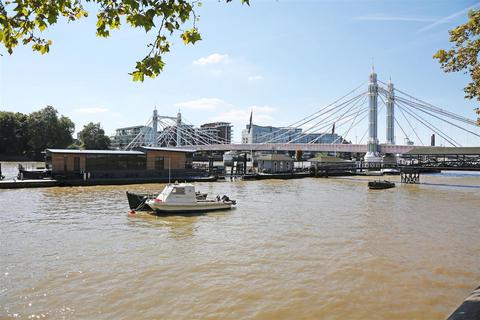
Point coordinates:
[(294, 249)]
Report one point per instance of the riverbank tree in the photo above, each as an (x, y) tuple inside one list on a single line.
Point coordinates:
[(93, 137), (28, 135), (463, 56), (48, 130), (13, 133)]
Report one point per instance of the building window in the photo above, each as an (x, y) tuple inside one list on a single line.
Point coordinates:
[(106, 162), (76, 164), (159, 163)]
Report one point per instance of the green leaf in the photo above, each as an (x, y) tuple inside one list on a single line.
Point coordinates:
[(191, 36), (137, 76), (41, 25)]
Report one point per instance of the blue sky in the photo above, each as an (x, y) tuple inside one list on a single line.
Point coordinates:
[(283, 59)]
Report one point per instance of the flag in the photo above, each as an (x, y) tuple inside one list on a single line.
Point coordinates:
[(250, 125), (333, 129)]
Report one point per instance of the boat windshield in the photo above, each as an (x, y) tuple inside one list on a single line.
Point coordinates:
[(178, 190)]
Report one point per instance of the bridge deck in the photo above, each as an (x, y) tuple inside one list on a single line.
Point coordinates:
[(315, 147), (355, 148)]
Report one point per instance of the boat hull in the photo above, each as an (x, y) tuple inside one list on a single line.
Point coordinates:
[(192, 208), (378, 185)]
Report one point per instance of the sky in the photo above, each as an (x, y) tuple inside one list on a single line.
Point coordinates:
[(282, 59)]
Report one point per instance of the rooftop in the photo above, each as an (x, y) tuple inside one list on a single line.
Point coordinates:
[(78, 151), (444, 151), (168, 149), (328, 159), (275, 157)]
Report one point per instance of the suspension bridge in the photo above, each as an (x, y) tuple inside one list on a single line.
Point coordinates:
[(403, 111)]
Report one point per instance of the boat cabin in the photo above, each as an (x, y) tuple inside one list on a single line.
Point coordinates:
[(178, 193)]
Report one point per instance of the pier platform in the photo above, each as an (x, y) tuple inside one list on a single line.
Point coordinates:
[(45, 183)]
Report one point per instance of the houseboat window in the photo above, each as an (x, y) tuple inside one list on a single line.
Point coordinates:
[(76, 164), (159, 163), (115, 162), (48, 161)]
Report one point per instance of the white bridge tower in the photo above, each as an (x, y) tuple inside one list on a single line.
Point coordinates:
[(373, 152)]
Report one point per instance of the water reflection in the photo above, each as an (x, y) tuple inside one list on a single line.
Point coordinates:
[(179, 226)]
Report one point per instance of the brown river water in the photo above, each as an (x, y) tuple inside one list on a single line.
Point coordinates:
[(294, 249)]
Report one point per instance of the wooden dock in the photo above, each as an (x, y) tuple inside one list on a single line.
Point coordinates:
[(45, 183)]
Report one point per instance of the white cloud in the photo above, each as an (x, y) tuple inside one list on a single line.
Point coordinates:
[(203, 104), (395, 18), (255, 78), (91, 110), (212, 59), (447, 18)]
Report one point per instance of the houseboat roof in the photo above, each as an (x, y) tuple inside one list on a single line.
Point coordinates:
[(327, 159), (78, 151), (275, 157), (168, 149)]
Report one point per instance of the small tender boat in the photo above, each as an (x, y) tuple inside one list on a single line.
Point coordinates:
[(380, 184), (181, 197)]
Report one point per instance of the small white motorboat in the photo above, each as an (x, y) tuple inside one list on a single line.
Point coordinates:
[(391, 171), (180, 197)]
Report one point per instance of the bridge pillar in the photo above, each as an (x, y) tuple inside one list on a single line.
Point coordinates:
[(154, 128), (390, 114), (178, 129), (373, 152)]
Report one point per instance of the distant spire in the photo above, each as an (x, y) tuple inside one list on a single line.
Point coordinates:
[(373, 65), (250, 122)]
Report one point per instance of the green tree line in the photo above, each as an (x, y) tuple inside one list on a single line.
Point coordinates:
[(27, 135)]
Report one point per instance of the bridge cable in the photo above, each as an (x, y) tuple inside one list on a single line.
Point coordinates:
[(360, 108), (408, 121), (430, 126), (322, 124), (444, 120), (207, 136), (135, 140), (315, 115), (344, 135), (345, 104), (331, 104), (340, 123), (336, 121), (345, 118), (435, 108)]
